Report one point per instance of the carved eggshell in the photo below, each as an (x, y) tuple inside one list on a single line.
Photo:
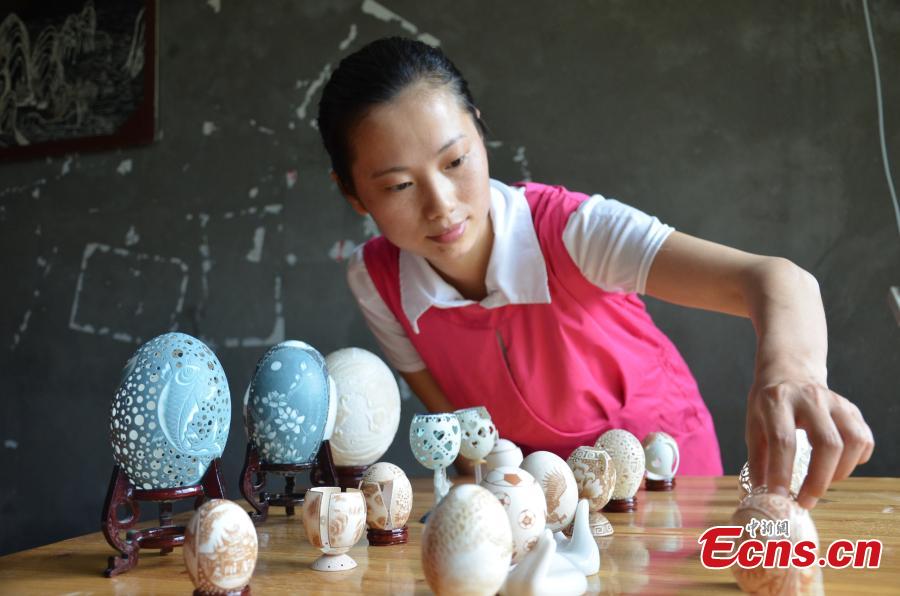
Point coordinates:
[(467, 543), (595, 475), (802, 455), (389, 496), (171, 413), (504, 453), (220, 547), (286, 405), (627, 455), (661, 455), (434, 439), (368, 406), (557, 482), (789, 580), (479, 433), (524, 503), (334, 520)]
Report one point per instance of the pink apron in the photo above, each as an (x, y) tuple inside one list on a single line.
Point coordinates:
[(556, 376)]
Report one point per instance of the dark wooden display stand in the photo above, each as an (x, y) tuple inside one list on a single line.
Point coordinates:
[(350, 476), (244, 592), (665, 484), (387, 537), (321, 473), (621, 505), (122, 493)]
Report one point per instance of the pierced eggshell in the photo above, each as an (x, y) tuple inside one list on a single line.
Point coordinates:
[(389, 496), (171, 413), (595, 475), (524, 502), (479, 433), (287, 403), (434, 439), (467, 543), (789, 580), (368, 406), (556, 480), (661, 455), (220, 547), (627, 455), (504, 453)]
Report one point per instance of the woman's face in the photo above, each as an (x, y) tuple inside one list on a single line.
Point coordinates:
[(420, 169)]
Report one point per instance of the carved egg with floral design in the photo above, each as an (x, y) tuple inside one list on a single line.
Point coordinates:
[(388, 494), (220, 548), (171, 413), (289, 404)]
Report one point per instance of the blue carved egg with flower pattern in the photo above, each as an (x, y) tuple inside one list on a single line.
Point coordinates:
[(286, 407), (171, 413)]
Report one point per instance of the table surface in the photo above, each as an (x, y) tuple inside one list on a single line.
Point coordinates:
[(653, 550)]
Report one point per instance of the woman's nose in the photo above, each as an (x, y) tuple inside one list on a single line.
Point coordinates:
[(440, 200)]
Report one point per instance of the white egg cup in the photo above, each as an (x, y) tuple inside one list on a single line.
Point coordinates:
[(479, 434), (435, 441), (334, 521)]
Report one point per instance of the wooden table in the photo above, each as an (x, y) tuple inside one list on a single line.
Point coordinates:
[(653, 550)]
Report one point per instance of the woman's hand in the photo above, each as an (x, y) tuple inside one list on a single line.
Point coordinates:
[(840, 438)]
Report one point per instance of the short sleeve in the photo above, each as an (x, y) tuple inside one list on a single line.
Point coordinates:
[(389, 333), (614, 244)]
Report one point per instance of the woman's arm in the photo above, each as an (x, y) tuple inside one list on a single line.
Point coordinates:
[(424, 386), (790, 388)]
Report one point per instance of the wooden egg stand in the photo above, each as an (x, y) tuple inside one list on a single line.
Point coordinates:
[(123, 493), (321, 473)]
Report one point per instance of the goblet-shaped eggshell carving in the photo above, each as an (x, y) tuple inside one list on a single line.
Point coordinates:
[(504, 453), (220, 547), (334, 521), (784, 580), (479, 434), (661, 455), (627, 455), (467, 543), (557, 482), (171, 413), (368, 406), (802, 455), (524, 502), (595, 475), (388, 494)]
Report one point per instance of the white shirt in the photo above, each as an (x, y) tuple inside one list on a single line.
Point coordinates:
[(612, 244)]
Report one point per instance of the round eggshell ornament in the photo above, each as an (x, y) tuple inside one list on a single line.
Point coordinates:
[(504, 453), (800, 527), (368, 406), (557, 482), (661, 455), (171, 413), (287, 404), (467, 543), (388, 495), (595, 475), (524, 502), (627, 455), (220, 547), (479, 434)]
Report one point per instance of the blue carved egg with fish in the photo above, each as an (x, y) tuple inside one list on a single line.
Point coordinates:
[(289, 407), (171, 413)]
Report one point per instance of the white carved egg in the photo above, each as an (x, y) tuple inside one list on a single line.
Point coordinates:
[(789, 580), (368, 406), (171, 413), (389, 496), (525, 506), (661, 454), (627, 455), (220, 547), (504, 453), (557, 482), (467, 543)]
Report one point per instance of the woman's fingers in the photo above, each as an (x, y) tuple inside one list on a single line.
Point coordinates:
[(855, 434), (755, 438), (814, 414), (781, 437)]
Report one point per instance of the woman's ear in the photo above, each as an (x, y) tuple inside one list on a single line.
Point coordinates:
[(352, 199)]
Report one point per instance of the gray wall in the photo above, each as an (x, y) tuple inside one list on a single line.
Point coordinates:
[(748, 123)]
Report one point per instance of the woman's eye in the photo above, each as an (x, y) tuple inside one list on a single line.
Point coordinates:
[(457, 162), (399, 187)]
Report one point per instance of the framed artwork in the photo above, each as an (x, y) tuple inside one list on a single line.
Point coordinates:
[(76, 75)]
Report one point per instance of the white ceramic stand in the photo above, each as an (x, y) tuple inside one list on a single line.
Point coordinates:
[(581, 549), (341, 562), (543, 572)]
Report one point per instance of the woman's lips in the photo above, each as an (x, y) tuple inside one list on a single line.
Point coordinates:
[(452, 234)]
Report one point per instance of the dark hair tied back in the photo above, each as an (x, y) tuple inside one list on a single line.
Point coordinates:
[(376, 74)]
